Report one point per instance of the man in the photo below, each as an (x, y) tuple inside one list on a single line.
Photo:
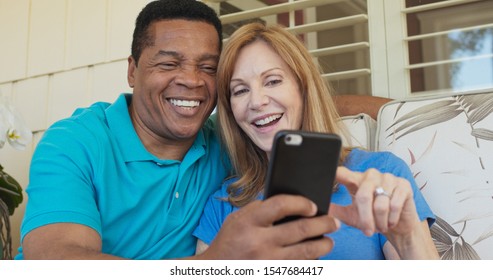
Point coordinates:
[(130, 179)]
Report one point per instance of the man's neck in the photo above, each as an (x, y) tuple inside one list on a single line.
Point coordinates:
[(161, 147), (173, 151)]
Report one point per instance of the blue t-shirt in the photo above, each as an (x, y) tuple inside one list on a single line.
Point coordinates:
[(350, 243), (92, 169)]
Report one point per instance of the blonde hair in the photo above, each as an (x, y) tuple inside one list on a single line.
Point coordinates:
[(319, 113)]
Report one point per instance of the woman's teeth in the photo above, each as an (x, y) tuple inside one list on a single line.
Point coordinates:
[(267, 120)]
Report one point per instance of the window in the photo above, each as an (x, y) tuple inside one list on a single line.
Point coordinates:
[(390, 48), (450, 50), (335, 32)]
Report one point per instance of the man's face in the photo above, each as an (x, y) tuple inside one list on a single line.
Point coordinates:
[(174, 81)]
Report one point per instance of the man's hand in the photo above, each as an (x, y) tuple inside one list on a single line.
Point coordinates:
[(249, 233)]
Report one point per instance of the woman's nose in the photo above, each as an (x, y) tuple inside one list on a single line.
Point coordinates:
[(258, 99)]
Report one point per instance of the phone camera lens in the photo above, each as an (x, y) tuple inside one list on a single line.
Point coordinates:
[(293, 139)]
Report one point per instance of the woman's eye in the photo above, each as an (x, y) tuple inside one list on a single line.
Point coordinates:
[(273, 82), (237, 92)]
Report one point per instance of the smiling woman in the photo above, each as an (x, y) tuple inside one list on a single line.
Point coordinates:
[(266, 83)]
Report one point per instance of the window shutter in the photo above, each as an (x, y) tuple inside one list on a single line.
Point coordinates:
[(334, 31)]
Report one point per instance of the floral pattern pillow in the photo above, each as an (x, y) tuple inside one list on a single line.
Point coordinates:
[(448, 143)]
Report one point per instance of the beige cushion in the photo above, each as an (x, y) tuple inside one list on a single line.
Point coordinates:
[(448, 143), (360, 131)]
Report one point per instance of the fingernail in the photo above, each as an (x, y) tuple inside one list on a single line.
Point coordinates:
[(338, 223), (314, 208)]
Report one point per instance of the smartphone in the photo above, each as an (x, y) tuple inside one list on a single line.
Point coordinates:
[(303, 163)]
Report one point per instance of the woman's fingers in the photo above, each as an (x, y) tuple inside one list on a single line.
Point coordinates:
[(378, 199)]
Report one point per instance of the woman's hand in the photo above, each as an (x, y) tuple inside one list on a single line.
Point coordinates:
[(384, 203), (391, 212)]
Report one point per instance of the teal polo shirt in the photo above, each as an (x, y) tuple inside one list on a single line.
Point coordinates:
[(92, 169)]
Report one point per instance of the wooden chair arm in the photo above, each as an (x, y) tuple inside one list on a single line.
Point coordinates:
[(348, 105)]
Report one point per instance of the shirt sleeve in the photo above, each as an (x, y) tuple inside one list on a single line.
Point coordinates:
[(60, 188)]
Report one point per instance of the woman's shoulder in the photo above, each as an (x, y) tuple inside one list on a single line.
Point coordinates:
[(222, 192), (361, 160)]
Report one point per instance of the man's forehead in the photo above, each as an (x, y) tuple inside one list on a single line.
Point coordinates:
[(177, 35), (184, 27)]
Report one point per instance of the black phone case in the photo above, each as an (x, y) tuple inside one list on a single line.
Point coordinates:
[(307, 168)]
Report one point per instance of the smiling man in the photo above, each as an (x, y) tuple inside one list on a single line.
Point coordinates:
[(174, 85), (130, 179)]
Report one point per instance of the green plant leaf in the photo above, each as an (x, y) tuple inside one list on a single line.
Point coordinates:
[(10, 191)]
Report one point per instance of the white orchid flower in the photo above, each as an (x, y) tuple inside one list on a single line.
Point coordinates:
[(12, 127)]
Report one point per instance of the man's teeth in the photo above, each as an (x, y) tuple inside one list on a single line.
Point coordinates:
[(268, 120), (185, 103)]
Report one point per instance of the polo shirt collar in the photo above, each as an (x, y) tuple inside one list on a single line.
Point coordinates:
[(128, 141)]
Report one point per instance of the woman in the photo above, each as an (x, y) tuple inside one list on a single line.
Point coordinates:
[(267, 81)]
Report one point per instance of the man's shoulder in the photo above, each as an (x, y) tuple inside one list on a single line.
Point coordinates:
[(96, 110), (85, 123)]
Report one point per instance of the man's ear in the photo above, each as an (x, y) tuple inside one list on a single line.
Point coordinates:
[(132, 66)]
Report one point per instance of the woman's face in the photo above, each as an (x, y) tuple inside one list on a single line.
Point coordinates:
[(265, 96)]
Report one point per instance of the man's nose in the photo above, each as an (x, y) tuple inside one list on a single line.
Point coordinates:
[(189, 76)]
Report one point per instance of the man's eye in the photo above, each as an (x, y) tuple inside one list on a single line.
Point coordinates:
[(209, 69), (168, 65)]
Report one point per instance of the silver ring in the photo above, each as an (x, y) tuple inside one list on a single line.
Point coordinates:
[(381, 191)]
